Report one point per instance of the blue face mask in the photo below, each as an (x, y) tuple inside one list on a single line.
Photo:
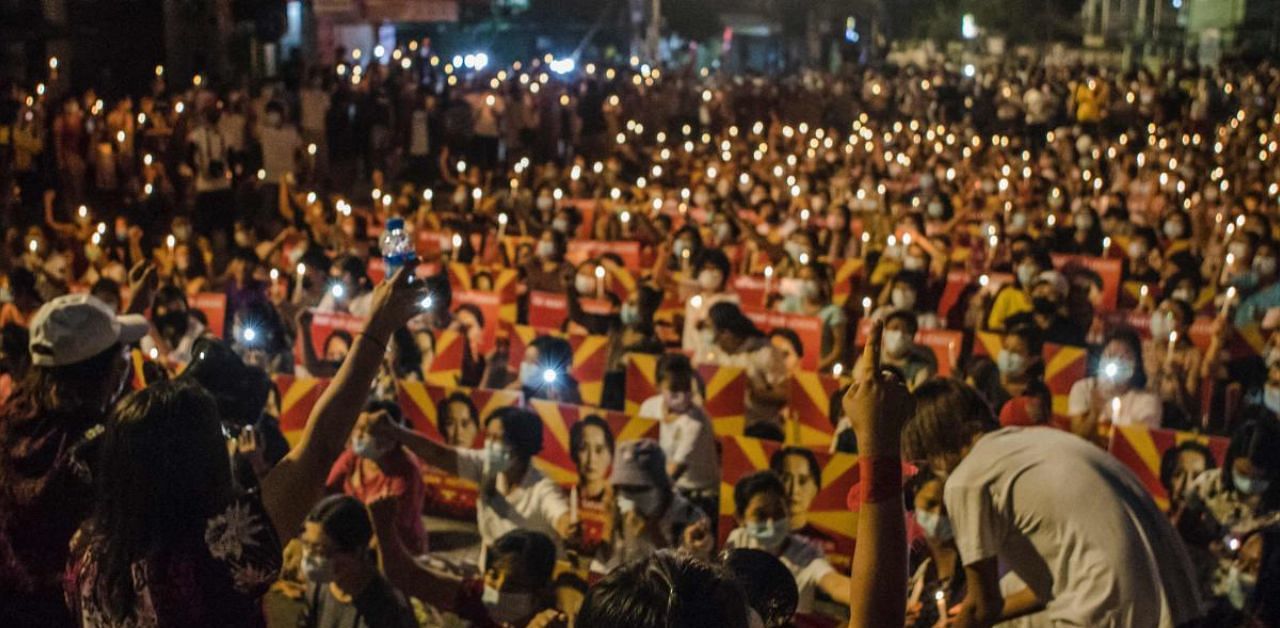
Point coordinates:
[(769, 534), (936, 526), (1240, 587), (1271, 398), (1250, 486), (630, 314), (497, 457), (367, 446), (530, 375), (1011, 363)]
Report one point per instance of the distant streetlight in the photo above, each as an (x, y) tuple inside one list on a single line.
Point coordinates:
[(968, 27)]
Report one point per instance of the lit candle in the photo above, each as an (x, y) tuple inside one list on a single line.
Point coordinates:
[(599, 282), (573, 504), (1173, 340), (171, 242), (1106, 246), (866, 307), (941, 598), (502, 226), (1115, 409), (1226, 302), (768, 282)]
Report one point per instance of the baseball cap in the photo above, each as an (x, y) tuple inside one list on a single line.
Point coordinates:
[(75, 327), (639, 463)]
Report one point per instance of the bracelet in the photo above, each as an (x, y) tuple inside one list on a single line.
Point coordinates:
[(381, 343), (879, 479)]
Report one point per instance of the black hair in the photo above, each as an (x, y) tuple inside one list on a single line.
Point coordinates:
[(675, 368), (356, 268), (240, 390), (728, 317), (778, 461), (948, 414), (577, 436), (1169, 460), (533, 551), (345, 520), (908, 318), (474, 310), (1259, 442), (75, 391), (790, 336), (339, 334), (162, 472), (665, 590), (1029, 334), (757, 483), (386, 405), (769, 585), (716, 259), (521, 430)]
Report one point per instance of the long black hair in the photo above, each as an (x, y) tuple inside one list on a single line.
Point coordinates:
[(163, 470)]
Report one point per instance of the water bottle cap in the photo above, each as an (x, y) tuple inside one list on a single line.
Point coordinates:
[(395, 223)]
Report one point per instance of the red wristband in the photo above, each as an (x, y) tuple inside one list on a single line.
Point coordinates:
[(879, 478)]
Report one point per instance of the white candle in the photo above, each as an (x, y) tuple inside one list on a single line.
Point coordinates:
[(599, 282), (573, 504), (1173, 340), (768, 282), (941, 598)]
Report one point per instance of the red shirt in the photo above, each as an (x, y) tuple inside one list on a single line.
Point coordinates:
[(396, 475)]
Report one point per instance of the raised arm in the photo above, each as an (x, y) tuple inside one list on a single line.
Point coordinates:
[(290, 489), (877, 405), (442, 457)]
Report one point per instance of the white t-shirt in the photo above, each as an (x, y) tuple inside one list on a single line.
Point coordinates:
[(1137, 407), (688, 439), (535, 504), (1075, 525), (806, 562), (279, 151), (314, 104), (210, 146)]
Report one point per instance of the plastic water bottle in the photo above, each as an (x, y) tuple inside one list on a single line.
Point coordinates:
[(397, 250)]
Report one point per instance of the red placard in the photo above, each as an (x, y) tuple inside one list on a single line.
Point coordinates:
[(214, 307), (808, 328), (1108, 269), (547, 310), (750, 289), (581, 250), (945, 345)]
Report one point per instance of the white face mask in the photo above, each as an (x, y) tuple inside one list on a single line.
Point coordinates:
[(316, 569), (586, 286), (709, 280), (545, 250), (895, 343), (902, 299)]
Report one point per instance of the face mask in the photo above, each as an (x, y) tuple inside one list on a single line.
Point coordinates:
[(988, 186), (544, 203), (505, 607), (1250, 486), (182, 234), (368, 447), (1265, 266), (1018, 222), (819, 203), (586, 286), (722, 231), (1161, 325), (1084, 222), (769, 534), (1238, 249), (1174, 230), (1271, 398), (316, 569), (794, 249), (895, 343), (708, 337), (913, 262), (809, 290), (902, 299), (530, 375), (677, 402), (709, 280), (1240, 587), (243, 241), (936, 525), (645, 504), (1183, 294), (1011, 363), (629, 314), (1137, 250), (678, 249), (1044, 305), (701, 199), (497, 458), (560, 224), (459, 198), (545, 250), (1027, 273)]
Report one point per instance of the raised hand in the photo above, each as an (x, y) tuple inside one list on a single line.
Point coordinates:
[(395, 301), (877, 404)]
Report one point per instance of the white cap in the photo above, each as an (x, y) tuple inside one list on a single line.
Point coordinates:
[(75, 327)]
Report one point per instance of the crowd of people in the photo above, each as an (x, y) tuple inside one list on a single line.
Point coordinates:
[(1025, 211)]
